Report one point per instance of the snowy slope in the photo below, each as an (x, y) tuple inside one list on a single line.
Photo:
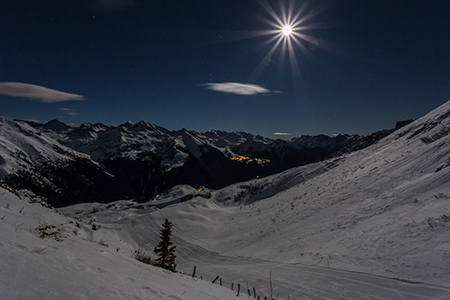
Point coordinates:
[(382, 212), (30, 158), (83, 264), (384, 209), (23, 147)]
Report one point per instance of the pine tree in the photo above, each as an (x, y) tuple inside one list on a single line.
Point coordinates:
[(165, 249)]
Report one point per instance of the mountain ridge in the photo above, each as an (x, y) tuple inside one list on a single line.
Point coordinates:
[(142, 160)]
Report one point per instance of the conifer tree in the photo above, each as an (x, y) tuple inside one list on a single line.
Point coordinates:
[(165, 249)]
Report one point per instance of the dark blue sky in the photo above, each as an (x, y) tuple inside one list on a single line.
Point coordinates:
[(368, 64)]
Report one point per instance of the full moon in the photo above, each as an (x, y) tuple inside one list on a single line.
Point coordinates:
[(287, 30)]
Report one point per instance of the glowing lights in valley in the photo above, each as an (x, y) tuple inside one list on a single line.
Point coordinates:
[(245, 159)]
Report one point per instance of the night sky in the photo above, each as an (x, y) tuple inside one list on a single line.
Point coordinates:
[(350, 66)]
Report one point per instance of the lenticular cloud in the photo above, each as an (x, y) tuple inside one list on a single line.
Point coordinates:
[(237, 88), (17, 89)]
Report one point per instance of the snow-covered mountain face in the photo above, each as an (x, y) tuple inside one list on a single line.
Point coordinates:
[(142, 141), (369, 224), (76, 164), (23, 148), (29, 158), (149, 159)]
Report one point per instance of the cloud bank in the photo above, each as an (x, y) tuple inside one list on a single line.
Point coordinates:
[(46, 95), (237, 88)]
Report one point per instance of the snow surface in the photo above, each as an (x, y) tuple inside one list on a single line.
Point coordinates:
[(372, 224), (23, 147), (369, 225), (86, 264)]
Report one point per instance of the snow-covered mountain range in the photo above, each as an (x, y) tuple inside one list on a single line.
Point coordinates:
[(369, 224), (94, 162), (382, 212)]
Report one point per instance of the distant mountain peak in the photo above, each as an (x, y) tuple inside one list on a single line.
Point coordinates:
[(145, 125), (56, 125), (127, 124)]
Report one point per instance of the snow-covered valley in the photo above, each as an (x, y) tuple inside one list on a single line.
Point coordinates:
[(372, 224)]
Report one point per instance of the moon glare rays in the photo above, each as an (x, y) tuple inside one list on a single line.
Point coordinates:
[(284, 31)]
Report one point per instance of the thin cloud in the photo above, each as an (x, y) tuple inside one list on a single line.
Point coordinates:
[(46, 95), (237, 88), (69, 111), (282, 133)]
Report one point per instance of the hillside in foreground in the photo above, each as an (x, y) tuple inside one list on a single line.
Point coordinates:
[(73, 261)]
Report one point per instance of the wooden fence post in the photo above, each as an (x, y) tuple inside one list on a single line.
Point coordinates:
[(271, 298)]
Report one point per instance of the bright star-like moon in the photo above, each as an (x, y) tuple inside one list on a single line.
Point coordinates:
[(287, 30), (287, 26)]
